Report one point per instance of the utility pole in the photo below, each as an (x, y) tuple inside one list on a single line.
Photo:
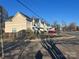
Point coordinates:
[(1, 26)]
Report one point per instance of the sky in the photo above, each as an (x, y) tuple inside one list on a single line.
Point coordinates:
[(51, 10)]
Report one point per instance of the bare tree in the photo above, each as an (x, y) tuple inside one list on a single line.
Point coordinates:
[(72, 26), (64, 26)]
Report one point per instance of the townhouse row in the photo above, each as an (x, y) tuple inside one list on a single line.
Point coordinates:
[(23, 22)]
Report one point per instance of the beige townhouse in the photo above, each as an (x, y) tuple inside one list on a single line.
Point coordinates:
[(20, 22), (23, 22), (17, 23)]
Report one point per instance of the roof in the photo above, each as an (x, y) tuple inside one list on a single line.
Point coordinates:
[(36, 19), (24, 15), (29, 19)]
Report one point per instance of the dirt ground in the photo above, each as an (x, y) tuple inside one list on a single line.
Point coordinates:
[(69, 50)]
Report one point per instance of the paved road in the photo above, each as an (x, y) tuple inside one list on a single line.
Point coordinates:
[(73, 41), (74, 33)]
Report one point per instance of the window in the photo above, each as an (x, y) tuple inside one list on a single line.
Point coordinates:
[(13, 29)]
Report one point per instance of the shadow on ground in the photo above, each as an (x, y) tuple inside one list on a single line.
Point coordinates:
[(54, 52)]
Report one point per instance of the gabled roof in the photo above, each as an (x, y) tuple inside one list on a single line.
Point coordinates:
[(24, 15), (28, 18)]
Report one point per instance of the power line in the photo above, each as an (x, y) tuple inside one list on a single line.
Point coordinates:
[(28, 8), (31, 6)]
